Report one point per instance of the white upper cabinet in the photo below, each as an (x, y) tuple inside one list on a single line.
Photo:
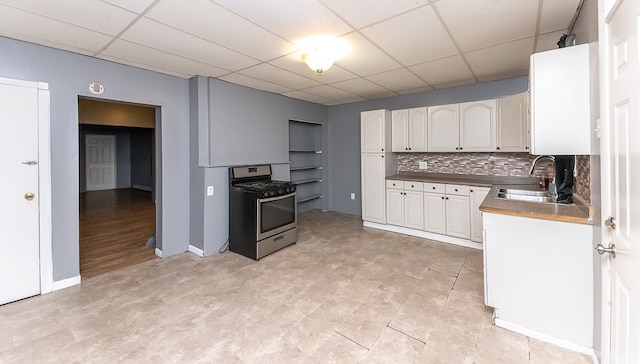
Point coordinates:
[(443, 128), (512, 124), (399, 130), (409, 130), (560, 101), (418, 129), (478, 126), (373, 131)]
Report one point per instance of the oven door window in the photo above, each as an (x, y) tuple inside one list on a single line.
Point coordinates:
[(277, 213)]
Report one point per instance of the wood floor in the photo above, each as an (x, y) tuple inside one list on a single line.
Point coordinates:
[(115, 225)]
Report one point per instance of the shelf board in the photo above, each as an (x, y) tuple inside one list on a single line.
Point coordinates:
[(309, 197), (309, 180), (300, 168), (305, 151)]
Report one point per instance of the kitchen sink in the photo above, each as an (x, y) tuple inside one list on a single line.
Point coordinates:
[(525, 195)]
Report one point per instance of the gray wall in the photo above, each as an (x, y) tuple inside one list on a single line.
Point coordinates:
[(243, 126), (586, 30), (69, 76), (344, 132), (142, 156)]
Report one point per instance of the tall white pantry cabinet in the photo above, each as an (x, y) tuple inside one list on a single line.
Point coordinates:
[(377, 161)]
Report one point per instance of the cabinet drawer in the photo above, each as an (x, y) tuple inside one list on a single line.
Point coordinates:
[(395, 184), (413, 186), (460, 190), (433, 187)]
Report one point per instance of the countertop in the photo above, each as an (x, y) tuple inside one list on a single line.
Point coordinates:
[(578, 212)]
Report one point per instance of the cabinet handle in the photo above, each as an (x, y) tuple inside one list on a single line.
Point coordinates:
[(381, 156), (442, 197), (409, 148), (470, 190), (460, 148), (433, 188), (456, 190), (498, 148), (382, 149), (406, 148), (446, 198)]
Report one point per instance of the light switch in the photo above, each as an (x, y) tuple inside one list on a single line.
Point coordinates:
[(209, 190), (353, 196)]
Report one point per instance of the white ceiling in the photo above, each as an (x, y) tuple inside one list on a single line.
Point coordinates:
[(398, 47)]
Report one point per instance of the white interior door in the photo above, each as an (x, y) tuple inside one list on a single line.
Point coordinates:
[(19, 193), (101, 162), (619, 22)]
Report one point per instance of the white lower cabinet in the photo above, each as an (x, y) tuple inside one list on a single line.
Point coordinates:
[(457, 206), (404, 204), (539, 277), (434, 213), (476, 196)]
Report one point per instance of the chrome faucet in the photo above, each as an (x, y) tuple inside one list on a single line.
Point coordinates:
[(533, 164)]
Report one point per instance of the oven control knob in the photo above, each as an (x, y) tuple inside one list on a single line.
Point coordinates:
[(271, 193), (280, 191)]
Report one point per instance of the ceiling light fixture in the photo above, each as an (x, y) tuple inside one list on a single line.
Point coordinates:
[(320, 52)]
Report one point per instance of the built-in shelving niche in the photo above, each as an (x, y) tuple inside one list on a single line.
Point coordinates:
[(305, 155)]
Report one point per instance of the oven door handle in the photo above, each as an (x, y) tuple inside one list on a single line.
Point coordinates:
[(276, 198)]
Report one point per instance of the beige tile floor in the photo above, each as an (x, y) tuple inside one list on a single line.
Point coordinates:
[(342, 294)]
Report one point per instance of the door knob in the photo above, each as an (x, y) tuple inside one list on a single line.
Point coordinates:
[(610, 222), (29, 196), (601, 249)]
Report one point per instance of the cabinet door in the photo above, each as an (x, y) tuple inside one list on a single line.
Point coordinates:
[(395, 207), (478, 126), (417, 136), (373, 188), (476, 195), (399, 130), (443, 128), (414, 210), (372, 131), (457, 211), (434, 213), (512, 123)]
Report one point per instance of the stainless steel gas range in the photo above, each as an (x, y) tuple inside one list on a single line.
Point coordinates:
[(262, 212)]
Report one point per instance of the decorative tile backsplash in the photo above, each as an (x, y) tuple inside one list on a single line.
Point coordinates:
[(495, 164)]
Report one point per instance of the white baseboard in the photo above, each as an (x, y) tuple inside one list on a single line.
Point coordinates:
[(424, 234), (143, 188), (66, 283), (197, 251), (546, 338), (159, 252)]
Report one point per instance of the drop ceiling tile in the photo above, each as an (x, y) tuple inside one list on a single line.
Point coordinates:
[(503, 59), (162, 37), (34, 28), (294, 64), (354, 13), (398, 80), (415, 90), (137, 6), (482, 23), (247, 81), (292, 20), (365, 58), (397, 36), (547, 42), (149, 56), (218, 25), (444, 70), (278, 76), (90, 14), (362, 87), (557, 15), (301, 95), (143, 66), (470, 81), (332, 93)]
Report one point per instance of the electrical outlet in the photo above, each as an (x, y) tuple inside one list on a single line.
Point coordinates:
[(209, 190), (353, 196), (422, 165)]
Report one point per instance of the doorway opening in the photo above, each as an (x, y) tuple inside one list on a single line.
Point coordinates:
[(117, 184)]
